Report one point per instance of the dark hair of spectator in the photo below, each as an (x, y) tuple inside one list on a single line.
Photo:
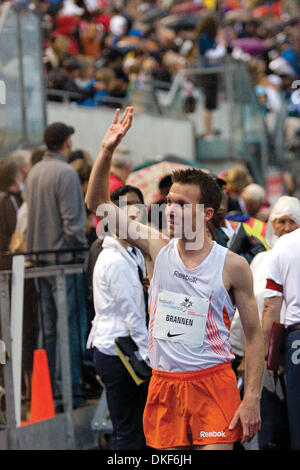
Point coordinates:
[(37, 156), (166, 181), (209, 26), (210, 192), (8, 174), (120, 74), (123, 190), (111, 55), (70, 64), (83, 169), (76, 155)]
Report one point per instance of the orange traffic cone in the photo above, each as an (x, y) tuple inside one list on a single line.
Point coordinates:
[(42, 405)]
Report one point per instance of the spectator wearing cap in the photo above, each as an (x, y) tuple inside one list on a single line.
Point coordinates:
[(56, 220)]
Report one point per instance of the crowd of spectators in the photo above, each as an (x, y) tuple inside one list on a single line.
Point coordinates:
[(103, 48), (99, 52), (102, 52)]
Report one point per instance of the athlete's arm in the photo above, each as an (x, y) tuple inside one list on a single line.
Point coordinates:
[(149, 240), (271, 313), (239, 274), (273, 294)]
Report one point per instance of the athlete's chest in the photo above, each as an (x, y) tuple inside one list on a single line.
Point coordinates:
[(197, 282)]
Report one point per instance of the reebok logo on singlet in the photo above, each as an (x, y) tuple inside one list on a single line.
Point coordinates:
[(185, 277)]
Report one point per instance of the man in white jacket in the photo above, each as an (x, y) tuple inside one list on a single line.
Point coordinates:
[(120, 311)]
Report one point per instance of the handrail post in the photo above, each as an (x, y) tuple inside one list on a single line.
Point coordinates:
[(65, 358)]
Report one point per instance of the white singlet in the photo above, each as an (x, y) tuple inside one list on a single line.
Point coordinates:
[(204, 282)]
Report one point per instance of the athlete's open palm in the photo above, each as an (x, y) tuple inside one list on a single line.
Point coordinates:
[(249, 416), (117, 129)]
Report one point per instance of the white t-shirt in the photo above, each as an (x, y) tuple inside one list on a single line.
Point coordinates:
[(283, 275), (259, 268)]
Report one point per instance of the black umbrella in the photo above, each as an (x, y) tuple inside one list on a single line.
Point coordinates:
[(153, 14), (180, 22)]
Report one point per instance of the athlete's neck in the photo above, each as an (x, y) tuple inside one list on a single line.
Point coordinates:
[(193, 257)]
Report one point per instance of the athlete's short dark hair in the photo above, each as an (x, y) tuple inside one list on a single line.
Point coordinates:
[(210, 192)]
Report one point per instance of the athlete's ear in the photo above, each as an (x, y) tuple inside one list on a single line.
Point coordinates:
[(208, 213)]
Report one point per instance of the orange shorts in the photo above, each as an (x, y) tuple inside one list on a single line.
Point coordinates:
[(192, 408)]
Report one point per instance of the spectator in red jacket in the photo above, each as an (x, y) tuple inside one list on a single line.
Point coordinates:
[(120, 169)]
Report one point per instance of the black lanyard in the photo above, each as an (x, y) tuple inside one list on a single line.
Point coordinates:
[(133, 254)]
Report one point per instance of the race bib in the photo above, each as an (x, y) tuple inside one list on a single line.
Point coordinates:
[(180, 318)]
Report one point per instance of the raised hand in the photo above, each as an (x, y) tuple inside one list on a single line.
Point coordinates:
[(117, 130)]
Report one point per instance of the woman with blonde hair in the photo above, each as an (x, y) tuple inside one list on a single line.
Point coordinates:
[(237, 178)]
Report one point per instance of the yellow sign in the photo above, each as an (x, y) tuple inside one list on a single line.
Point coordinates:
[(210, 4)]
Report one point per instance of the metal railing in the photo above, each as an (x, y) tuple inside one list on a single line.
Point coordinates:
[(243, 134), (142, 98), (72, 428)]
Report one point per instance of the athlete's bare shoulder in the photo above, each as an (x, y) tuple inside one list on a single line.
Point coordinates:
[(236, 272), (235, 260)]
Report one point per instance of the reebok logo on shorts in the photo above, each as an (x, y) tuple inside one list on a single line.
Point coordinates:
[(212, 434)]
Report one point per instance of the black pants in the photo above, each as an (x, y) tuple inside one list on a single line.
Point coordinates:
[(126, 402), (209, 84), (292, 370)]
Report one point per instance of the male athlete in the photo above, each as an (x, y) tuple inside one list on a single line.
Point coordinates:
[(193, 400)]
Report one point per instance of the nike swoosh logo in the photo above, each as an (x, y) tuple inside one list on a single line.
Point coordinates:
[(171, 336)]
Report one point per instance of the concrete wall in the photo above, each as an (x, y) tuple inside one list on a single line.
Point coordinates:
[(150, 136)]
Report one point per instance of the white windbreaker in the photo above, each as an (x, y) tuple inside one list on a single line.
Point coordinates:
[(118, 299)]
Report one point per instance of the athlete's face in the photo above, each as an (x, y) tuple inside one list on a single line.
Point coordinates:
[(182, 209), (283, 225)]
